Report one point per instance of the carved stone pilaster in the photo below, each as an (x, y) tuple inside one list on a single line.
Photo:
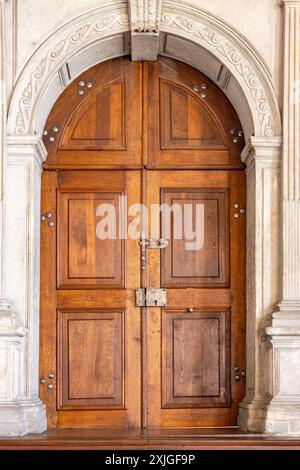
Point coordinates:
[(21, 411), (283, 415), (291, 160), (145, 18), (262, 157)]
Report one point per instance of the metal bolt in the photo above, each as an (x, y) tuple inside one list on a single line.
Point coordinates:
[(240, 133), (49, 215), (51, 224), (43, 218), (232, 131), (81, 83), (45, 132), (243, 211), (81, 92), (89, 85), (236, 205), (52, 139), (243, 373), (235, 140), (195, 88), (203, 95), (42, 380), (50, 386), (236, 215), (55, 129), (236, 368), (237, 378), (204, 86), (51, 375), (190, 309)]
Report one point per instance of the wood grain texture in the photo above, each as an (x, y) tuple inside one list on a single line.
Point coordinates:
[(90, 331), (196, 386), (195, 359), (144, 131), (99, 128), (91, 356)]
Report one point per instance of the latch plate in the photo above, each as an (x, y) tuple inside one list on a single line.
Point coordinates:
[(153, 243), (151, 297)]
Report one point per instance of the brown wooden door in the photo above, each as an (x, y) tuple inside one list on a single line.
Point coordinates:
[(194, 344), (90, 327), (158, 133)]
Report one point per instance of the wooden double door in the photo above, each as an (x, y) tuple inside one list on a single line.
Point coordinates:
[(105, 360)]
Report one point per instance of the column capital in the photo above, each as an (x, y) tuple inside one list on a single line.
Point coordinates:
[(266, 150), (292, 3), (25, 147)]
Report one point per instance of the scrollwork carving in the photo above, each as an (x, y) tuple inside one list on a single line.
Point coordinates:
[(229, 52), (61, 49)]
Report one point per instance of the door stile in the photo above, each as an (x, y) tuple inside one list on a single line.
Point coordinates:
[(48, 386)]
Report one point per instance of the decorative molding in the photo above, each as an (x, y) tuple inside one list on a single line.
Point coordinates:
[(10, 325), (145, 15), (98, 25), (179, 18), (291, 161), (200, 28)]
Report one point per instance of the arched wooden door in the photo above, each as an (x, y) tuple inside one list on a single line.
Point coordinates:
[(157, 133)]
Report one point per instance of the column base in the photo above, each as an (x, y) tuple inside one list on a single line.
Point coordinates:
[(283, 418), (277, 418), (252, 416), (22, 417)]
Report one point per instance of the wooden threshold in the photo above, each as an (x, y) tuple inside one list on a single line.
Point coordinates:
[(164, 439)]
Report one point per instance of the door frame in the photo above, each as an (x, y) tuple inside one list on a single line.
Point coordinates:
[(26, 153)]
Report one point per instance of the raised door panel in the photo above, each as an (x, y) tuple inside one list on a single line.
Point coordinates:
[(91, 354), (199, 254), (189, 121), (93, 124), (86, 258), (185, 120), (195, 359), (98, 123)]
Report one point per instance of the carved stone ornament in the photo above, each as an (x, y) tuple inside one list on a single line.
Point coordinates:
[(202, 31), (97, 27), (145, 15), (9, 323)]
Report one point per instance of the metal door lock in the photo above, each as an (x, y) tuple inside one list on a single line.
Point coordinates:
[(151, 297), (160, 243)]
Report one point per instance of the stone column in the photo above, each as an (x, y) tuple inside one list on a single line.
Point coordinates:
[(284, 330), (262, 156), (21, 411)]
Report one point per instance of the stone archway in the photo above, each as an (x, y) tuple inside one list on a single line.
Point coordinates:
[(169, 28)]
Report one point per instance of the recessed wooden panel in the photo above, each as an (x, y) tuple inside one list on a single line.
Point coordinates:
[(90, 349), (98, 122), (184, 119), (85, 258), (200, 257), (195, 359)]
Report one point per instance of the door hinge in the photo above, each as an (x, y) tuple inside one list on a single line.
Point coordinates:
[(153, 243), (151, 297)]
